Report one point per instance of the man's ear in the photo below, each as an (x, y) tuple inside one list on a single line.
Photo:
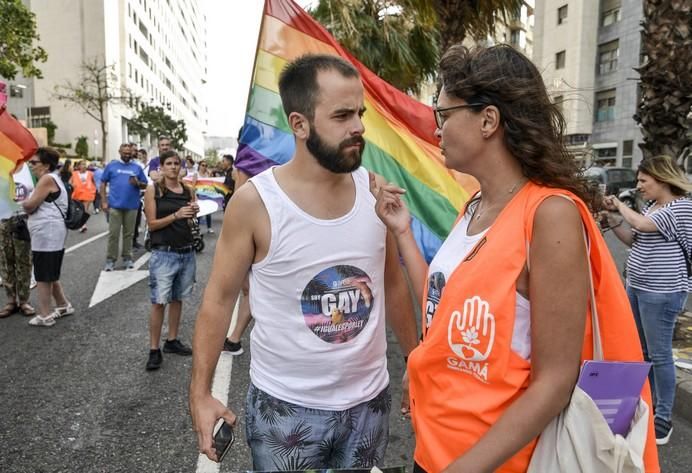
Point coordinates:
[(299, 125), (490, 121)]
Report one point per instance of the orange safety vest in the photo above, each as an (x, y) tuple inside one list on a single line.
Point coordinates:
[(83, 191), (464, 375)]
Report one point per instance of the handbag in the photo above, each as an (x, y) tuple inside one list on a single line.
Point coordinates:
[(19, 228), (580, 440)]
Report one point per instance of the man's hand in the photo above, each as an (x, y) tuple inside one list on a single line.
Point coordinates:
[(104, 204), (205, 412)]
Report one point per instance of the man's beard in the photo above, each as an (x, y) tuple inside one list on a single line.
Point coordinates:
[(335, 159)]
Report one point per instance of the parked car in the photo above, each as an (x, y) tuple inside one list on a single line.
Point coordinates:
[(611, 180)]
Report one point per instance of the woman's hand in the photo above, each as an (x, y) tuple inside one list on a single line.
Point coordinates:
[(189, 211), (611, 203), (392, 210)]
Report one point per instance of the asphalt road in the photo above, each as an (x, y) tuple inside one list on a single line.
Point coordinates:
[(76, 397)]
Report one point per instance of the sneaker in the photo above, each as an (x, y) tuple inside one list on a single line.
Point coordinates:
[(155, 360), (64, 311), (234, 348), (129, 264), (210, 230), (177, 347), (664, 429), (110, 266), (40, 321)]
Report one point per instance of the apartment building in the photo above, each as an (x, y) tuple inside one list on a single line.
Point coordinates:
[(157, 50), (587, 51)]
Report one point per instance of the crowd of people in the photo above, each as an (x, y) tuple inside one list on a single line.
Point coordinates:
[(319, 247)]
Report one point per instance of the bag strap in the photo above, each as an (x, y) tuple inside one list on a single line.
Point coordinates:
[(59, 210), (595, 327), (688, 263)]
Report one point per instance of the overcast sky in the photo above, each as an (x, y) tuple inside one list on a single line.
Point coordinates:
[(232, 29)]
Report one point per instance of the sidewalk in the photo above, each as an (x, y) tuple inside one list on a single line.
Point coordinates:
[(683, 342)]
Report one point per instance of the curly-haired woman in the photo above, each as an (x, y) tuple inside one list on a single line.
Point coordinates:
[(503, 343)]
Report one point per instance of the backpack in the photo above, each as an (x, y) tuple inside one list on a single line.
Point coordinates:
[(76, 215)]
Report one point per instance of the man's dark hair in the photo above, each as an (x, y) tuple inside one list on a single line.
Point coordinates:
[(228, 157), (49, 157), (298, 81), (142, 150)]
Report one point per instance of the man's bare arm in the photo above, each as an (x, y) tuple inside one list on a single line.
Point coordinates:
[(234, 255)]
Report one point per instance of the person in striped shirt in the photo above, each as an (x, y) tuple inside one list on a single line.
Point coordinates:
[(658, 270)]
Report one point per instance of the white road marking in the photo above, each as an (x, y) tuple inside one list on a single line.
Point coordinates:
[(112, 282), (85, 242), (219, 389)]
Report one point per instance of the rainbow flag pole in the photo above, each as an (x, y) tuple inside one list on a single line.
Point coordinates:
[(399, 130)]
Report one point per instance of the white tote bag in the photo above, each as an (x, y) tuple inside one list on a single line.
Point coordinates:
[(579, 438)]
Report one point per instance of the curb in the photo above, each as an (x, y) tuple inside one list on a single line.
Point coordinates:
[(683, 395)]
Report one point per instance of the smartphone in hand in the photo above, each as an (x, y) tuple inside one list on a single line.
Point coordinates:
[(223, 439)]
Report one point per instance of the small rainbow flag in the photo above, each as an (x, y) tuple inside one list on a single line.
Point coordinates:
[(210, 188), (17, 145), (399, 130)]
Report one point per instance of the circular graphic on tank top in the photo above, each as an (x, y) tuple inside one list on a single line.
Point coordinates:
[(337, 302), (436, 284)]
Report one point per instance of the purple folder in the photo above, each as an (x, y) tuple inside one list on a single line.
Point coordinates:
[(615, 387)]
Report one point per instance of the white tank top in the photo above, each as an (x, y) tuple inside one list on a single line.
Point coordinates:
[(319, 336), (452, 252), (46, 224)]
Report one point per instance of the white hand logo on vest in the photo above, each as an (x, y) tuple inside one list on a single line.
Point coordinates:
[(471, 336), (337, 303)]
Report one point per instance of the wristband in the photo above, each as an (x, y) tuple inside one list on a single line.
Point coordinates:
[(175, 215)]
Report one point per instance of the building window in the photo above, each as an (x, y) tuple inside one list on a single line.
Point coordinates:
[(605, 106), (608, 57), (38, 116), (627, 147), (610, 12), (560, 60), (606, 156), (17, 91), (562, 15)]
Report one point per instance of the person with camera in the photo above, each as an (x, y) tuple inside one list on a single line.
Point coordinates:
[(169, 205), (46, 206), (658, 270)]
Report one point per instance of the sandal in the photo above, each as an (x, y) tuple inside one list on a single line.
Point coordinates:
[(27, 309), (9, 309), (39, 321)]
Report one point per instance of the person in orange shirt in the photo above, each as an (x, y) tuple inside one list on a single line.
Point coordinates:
[(83, 188), (506, 319)]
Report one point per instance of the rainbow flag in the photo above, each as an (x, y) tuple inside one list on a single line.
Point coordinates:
[(399, 130), (17, 145), (210, 188)]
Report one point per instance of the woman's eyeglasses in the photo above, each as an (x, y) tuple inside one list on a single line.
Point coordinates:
[(34, 162), (440, 118)]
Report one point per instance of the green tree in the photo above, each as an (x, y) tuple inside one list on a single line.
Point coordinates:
[(666, 78), (93, 93), (82, 147), (397, 40), (458, 19), (154, 120), (17, 35), (401, 40), (50, 131)]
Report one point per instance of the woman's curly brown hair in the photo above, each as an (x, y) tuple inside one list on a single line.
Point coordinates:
[(533, 125)]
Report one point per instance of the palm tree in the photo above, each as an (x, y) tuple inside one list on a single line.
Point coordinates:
[(397, 40), (401, 40), (476, 18), (666, 78)]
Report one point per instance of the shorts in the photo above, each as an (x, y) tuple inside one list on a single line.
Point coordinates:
[(285, 436), (47, 265), (171, 275)]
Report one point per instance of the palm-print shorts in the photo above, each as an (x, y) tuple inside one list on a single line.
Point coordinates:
[(285, 436)]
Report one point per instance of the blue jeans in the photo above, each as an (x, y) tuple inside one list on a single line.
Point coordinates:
[(171, 275), (655, 314), (284, 436)]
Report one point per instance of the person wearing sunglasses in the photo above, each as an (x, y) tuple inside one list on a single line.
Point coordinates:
[(505, 301), (46, 206)]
